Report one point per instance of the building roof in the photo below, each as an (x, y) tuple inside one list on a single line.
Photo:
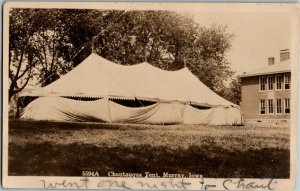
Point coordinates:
[(279, 67)]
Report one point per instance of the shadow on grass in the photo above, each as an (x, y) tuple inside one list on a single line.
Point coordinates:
[(70, 160), (17, 125)]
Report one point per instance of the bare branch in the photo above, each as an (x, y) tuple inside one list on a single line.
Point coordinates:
[(29, 67), (53, 48), (25, 84)]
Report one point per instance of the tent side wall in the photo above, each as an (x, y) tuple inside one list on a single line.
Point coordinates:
[(103, 110)]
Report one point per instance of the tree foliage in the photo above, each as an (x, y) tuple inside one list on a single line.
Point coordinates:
[(56, 40), (21, 59), (233, 92)]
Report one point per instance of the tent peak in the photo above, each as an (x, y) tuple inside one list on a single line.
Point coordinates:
[(95, 56)]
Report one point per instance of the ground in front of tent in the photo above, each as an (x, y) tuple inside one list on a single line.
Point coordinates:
[(46, 148)]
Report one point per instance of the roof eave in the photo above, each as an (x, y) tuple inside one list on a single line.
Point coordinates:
[(265, 73)]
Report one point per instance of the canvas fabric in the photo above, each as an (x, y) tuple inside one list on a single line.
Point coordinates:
[(103, 110), (100, 78), (212, 116), (63, 109)]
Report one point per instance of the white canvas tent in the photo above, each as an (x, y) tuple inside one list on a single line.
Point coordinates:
[(97, 77)]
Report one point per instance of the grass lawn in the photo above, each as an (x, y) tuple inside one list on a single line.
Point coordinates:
[(43, 148)]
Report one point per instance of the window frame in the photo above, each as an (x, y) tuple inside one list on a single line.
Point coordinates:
[(284, 81), (285, 99), (260, 106), (260, 83), (268, 83), (272, 106), (281, 108), (276, 82)]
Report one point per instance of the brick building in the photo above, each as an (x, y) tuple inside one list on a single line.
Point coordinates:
[(266, 93)]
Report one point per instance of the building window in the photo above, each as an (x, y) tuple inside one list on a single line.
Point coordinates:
[(270, 82), (270, 106), (262, 107), (278, 82), (278, 106), (287, 81), (287, 106), (262, 83)]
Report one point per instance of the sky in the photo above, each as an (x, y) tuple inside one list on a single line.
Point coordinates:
[(257, 36)]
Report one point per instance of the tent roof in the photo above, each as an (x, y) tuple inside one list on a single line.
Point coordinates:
[(98, 77), (280, 67)]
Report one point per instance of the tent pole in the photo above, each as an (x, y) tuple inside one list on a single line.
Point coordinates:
[(108, 104), (93, 44), (139, 102), (146, 53)]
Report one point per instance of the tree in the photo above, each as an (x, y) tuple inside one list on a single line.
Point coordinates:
[(233, 92), (21, 59), (165, 39), (36, 48), (207, 58), (169, 40), (49, 42)]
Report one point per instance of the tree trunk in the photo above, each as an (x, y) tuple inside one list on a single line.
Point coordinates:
[(10, 93), (18, 109), (179, 64)]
